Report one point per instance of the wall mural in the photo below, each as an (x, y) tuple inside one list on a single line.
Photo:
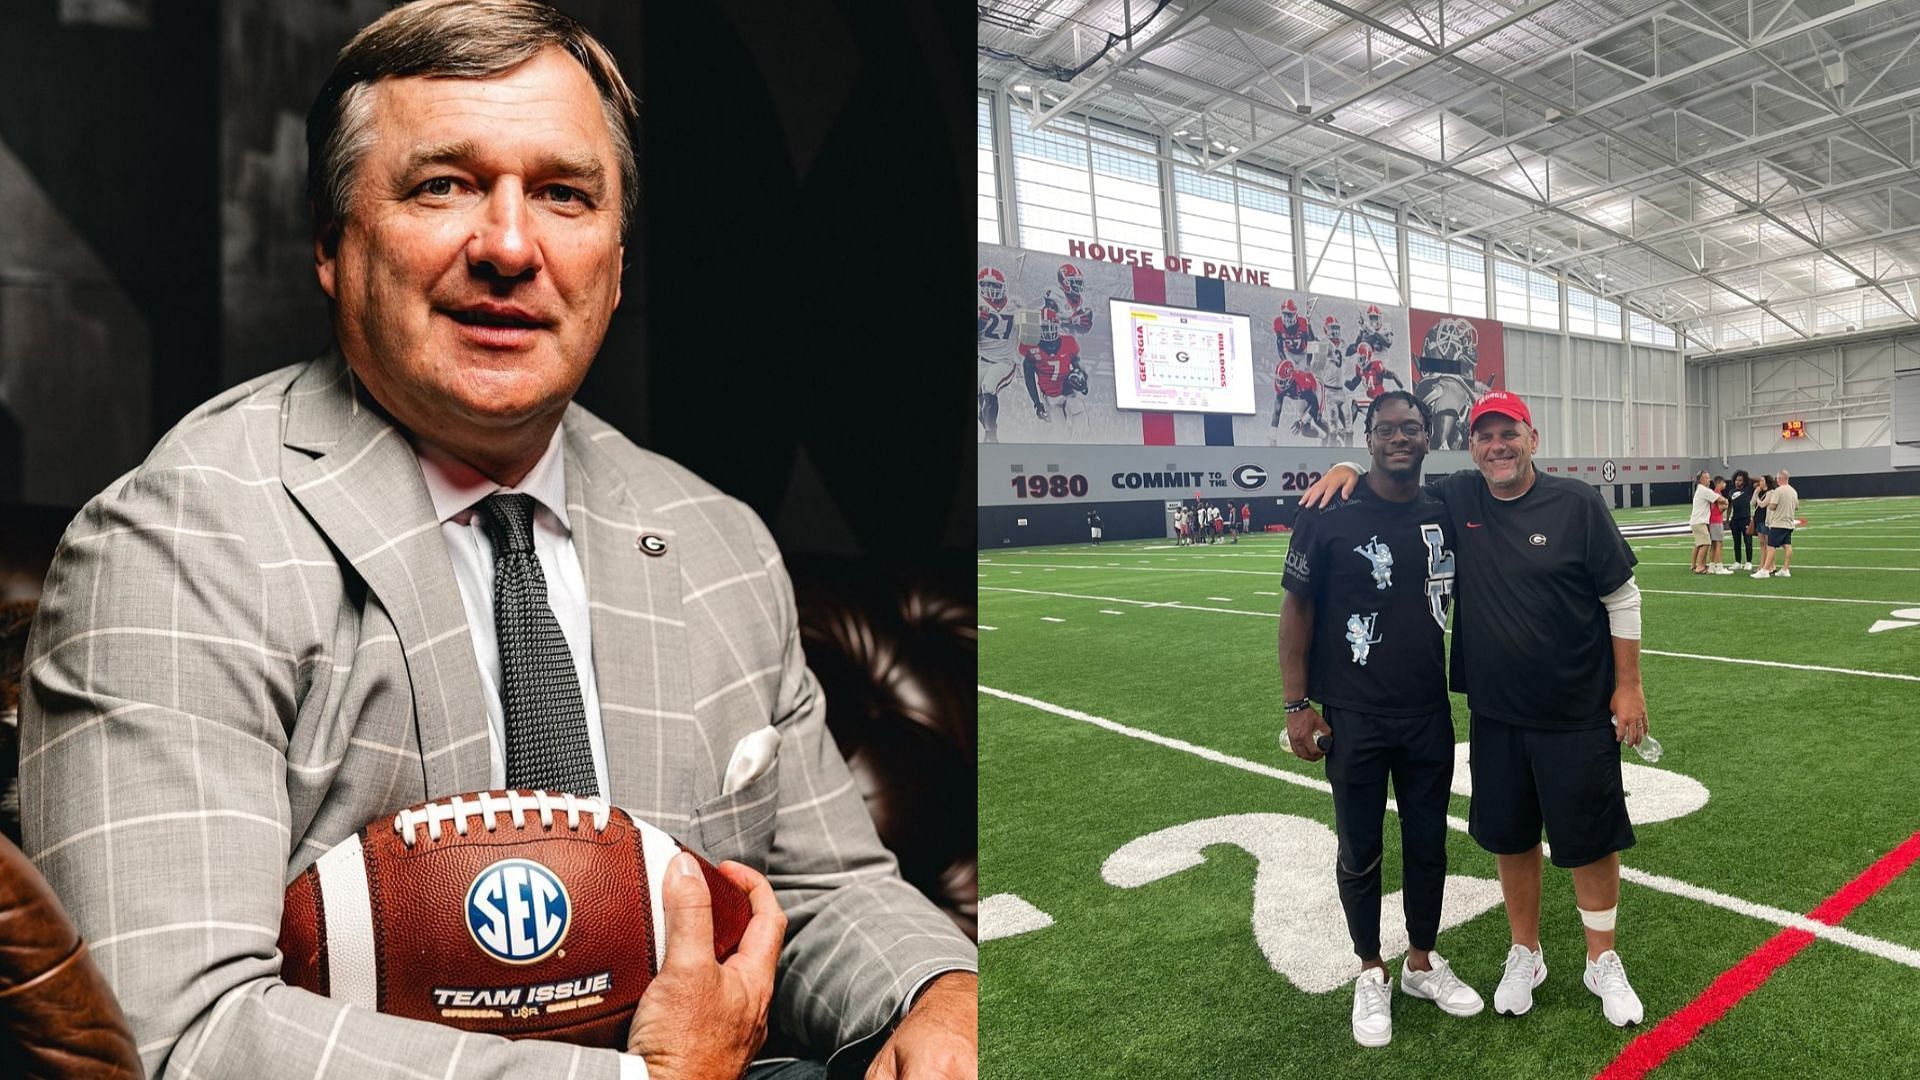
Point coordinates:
[(1456, 360), (1044, 355)]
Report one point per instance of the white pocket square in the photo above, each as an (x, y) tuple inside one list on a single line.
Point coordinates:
[(752, 757)]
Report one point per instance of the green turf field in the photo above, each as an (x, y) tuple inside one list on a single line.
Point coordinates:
[(1133, 689)]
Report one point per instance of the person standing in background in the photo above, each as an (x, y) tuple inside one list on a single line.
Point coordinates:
[(1758, 501), (1717, 526), (1783, 503), (1703, 499), (1093, 526), (1740, 520)]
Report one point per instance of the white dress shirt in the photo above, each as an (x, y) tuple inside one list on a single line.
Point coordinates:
[(456, 489)]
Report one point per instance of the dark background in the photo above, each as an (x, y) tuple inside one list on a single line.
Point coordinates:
[(805, 166)]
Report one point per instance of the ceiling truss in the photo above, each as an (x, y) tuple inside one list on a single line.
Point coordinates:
[(1692, 160)]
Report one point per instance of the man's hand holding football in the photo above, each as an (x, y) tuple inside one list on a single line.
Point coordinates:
[(700, 1018)]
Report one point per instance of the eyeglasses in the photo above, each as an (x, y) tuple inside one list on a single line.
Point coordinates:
[(1412, 429)]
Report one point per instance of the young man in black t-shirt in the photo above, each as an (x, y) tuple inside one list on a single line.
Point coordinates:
[(1368, 582), (1546, 646)]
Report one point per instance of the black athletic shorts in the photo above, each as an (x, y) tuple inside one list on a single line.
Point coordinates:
[(1569, 781), (1779, 537)]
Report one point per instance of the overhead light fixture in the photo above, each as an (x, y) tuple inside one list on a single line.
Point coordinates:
[(1453, 219), (1022, 88), (1233, 149), (1179, 133), (1303, 109), (1218, 145), (1554, 116)]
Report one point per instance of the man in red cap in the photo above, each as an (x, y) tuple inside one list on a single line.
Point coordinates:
[(1546, 646)]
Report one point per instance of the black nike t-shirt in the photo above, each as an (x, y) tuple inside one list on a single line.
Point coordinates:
[(1380, 575), (1531, 643)]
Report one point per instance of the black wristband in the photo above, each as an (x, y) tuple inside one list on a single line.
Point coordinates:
[(1297, 706)]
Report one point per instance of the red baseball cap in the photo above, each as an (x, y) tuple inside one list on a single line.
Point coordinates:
[(1500, 403)]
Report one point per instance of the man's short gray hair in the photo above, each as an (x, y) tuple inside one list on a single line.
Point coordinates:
[(454, 39)]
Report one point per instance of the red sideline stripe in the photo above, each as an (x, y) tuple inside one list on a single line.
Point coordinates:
[(1645, 1053), (1150, 285)]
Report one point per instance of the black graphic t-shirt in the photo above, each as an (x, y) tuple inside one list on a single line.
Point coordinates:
[(1380, 575), (1531, 644)]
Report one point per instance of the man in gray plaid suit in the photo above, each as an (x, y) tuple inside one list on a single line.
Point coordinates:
[(282, 624)]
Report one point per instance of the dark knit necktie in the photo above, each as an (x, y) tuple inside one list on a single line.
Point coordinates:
[(547, 743)]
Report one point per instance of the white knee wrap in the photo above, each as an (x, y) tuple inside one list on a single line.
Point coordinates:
[(1599, 920)]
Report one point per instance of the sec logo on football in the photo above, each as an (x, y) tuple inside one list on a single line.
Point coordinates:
[(517, 911)]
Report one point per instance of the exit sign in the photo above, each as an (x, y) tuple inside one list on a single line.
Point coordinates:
[(1793, 429)]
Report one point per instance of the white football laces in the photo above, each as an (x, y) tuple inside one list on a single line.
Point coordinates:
[(489, 808)]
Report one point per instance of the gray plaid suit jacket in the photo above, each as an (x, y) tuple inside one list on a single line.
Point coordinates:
[(252, 645)]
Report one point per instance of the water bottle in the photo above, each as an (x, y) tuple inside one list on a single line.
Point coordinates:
[(1648, 748)]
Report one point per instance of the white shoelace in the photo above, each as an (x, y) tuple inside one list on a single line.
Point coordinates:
[(1372, 997), (1519, 965), (1441, 980), (1610, 973)]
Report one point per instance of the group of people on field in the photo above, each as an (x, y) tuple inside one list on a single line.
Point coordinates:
[(1749, 509), (1211, 523)]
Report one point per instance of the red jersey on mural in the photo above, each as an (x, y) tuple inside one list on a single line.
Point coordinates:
[(1456, 361)]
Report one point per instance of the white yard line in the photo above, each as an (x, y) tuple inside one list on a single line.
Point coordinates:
[(1784, 596), (1803, 566), (1783, 664), (1821, 547), (1887, 950), (1178, 606), (1049, 618), (1138, 603), (1160, 569)]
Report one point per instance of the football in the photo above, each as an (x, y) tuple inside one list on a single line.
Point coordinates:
[(517, 913)]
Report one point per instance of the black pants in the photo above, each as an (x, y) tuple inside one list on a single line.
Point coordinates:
[(1741, 542), (1417, 752)]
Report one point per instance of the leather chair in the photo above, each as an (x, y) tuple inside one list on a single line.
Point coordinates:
[(58, 1017), (894, 654)]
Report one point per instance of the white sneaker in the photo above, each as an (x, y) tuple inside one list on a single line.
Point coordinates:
[(1720, 570), (1372, 1009), (1607, 978), (1761, 574), (1783, 573), (1442, 987), (1746, 566), (1526, 969)]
